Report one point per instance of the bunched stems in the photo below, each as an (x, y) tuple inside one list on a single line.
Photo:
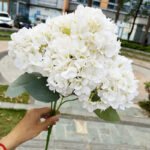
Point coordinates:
[(54, 111)]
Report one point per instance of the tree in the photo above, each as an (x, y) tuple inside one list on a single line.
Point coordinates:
[(134, 12), (145, 37), (146, 12), (119, 6), (90, 2), (65, 6)]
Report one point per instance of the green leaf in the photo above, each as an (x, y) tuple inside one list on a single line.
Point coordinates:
[(35, 85), (17, 87), (109, 114), (94, 96), (38, 89)]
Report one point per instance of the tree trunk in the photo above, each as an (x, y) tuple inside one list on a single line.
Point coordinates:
[(119, 5), (65, 6), (90, 2), (145, 38), (8, 9), (135, 16)]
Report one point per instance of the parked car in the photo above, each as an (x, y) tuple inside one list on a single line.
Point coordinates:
[(22, 21), (40, 19), (5, 20)]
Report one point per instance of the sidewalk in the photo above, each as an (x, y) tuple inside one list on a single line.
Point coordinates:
[(3, 46), (71, 134)]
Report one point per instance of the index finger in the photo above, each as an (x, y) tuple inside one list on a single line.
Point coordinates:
[(43, 110)]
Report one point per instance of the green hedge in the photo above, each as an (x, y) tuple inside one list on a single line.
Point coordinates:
[(145, 105), (134, 45)]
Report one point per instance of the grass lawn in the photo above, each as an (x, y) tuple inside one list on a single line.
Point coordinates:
[(4, 38), (6, 32), (24, 98), (7, 35), (8, 120)]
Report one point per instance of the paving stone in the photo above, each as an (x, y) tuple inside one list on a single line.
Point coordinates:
[(67, 145), (59, 131)]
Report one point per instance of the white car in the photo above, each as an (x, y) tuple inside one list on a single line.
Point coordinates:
[(5, 19)]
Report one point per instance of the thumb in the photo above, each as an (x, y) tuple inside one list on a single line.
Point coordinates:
[(50, 121)]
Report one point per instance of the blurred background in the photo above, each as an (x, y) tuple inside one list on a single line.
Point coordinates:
[(79, 129)]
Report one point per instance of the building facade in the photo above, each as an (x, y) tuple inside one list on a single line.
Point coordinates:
[(41, 10), (15, 7), (19, 7)]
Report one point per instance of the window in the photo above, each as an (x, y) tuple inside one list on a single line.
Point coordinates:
[(111, 6), (3, 5), (112, 1), (95, 3)]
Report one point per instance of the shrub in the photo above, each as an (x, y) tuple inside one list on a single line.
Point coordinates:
[(147, 88), (134, 45), (146, 103)]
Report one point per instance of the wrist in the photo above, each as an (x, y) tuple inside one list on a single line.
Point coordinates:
[(2, 147), (11, 141)]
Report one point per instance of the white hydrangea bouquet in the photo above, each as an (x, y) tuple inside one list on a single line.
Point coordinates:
[(74, 57)]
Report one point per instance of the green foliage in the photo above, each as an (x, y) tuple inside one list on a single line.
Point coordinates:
[(145, 105), (8, 120), (147, 85), (24, 98), (134, 45), (109, 114), (35, 85), (135, 7), (147, 88)]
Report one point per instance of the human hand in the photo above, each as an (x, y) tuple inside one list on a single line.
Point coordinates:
[(29, 127)]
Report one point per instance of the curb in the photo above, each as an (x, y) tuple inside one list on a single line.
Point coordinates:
[(2, 54), (136, 54), (136, 51), (9, 29)]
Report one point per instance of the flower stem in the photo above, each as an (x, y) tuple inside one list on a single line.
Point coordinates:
[(48, 137), (52, 113), (65, 102)]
